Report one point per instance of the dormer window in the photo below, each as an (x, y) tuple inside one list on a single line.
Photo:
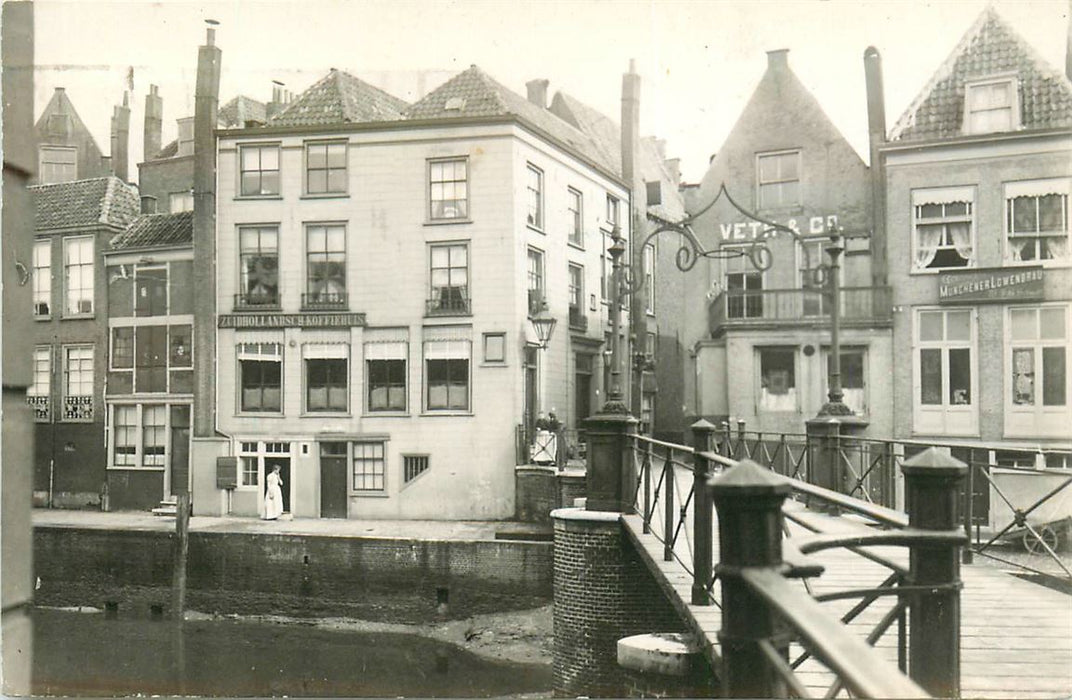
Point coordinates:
[(991, 106)]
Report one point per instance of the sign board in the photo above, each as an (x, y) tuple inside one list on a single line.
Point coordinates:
[(226, 472), (748, 230), (991, 286), (346, 320)]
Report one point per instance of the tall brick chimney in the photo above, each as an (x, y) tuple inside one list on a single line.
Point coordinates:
[(634, 214), (121, 138), (278, 101), (206, 103), (537, 90), (154, 124), (876, 131)]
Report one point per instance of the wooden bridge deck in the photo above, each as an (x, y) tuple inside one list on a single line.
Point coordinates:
[(1016, 636)]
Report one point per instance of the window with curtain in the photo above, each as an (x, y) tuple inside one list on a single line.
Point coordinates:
[(1036, 221), (449, 279), (259, 253), (446, 375), (777, 379), (325, 265), (448, 188), (260, 368), (944, 229), (1039, 343)]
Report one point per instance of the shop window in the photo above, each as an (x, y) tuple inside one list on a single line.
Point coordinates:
[(945, 372), (1038, 382), (385, 375), (446, 375), (448, 188), (1036, 221), (325, 168), (125, 432), (944, 228), (777, 379), (260, 368), (139, 434), (369, 466)]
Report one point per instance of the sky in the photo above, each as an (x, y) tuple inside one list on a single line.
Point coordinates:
[(699, 61)]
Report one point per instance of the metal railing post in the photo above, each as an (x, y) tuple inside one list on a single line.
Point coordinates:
[(648, 510), (931, 481), (749, 501), (668, 506), (701, 512), (724, 438), (969, 511)]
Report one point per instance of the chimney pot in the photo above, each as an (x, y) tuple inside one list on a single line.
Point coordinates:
[(778, 59), (538, 92)]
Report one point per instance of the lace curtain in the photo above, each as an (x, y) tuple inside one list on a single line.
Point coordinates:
[(929, 238)]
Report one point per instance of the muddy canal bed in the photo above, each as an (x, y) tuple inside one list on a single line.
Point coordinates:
[(89, 654)]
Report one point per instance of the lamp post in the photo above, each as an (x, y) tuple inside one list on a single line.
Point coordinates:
[(835, 406), (544, 325), (615, 403)]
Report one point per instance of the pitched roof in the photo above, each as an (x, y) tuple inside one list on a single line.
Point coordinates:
[(339, 98), (157, 230), (239, 110), (473, 93), (990, 47), (98, 201)]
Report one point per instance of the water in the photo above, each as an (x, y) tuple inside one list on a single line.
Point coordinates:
[(86, 654)]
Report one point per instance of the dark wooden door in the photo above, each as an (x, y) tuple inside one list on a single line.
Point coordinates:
[(180, 449), (333, 498)]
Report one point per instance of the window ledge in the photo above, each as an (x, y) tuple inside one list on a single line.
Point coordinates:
[(43, 318), (537, 229), (575, 246), (78, 317), (940, 270), (369, 494), (1048, 264), (385, 414), (493, 364), (257, 197), (447, 414), (447, 222), (325, 414), (325, 195), (259, 414), (124, 468)]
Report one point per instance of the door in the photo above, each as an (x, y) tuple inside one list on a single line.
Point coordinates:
[(333, 497), (582, 379), (284, 474), (531, 389), (180, 449)]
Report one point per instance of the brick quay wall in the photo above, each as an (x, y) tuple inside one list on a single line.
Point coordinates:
[(401, 580)]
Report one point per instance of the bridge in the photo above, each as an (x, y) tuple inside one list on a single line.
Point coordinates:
[(790, 589)]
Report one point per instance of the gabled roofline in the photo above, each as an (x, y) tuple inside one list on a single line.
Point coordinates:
[(401, 124), (149, 248)]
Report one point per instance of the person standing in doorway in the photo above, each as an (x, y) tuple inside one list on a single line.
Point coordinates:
[(273, 495)]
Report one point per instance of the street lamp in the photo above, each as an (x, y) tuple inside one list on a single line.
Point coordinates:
[(544, 325), (836, 405)]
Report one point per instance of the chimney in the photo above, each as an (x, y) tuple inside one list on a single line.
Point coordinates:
[(186, 136), (778, 59), (148, 204), (538, 92), (154, 123), (206, 105), (121, 138), (1068, 51), (674, 166), (876, 131), (278, 101)]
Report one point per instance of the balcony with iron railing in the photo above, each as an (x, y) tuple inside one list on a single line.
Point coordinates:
[(578, 319), (256, 301), (324, 301), (743, 308)]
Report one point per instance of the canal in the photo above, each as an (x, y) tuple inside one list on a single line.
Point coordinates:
[(90, 654)]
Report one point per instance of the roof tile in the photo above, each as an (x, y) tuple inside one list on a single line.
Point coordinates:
[(151, 230), (81, 203), (339, 98)]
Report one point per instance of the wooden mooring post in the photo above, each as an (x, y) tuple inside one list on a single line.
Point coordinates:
[(701, 512), (182, 546)]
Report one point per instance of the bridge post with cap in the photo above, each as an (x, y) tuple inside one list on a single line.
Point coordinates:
[(932, 479), (702, 526), (749, 501)]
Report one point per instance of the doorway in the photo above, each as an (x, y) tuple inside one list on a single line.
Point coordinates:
[(180, 449), (532, 399), (333, 497), (270, 463), (582, 380)]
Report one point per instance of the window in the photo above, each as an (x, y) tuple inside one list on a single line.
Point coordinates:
[(58, 164), (325, 168), (447, 375), (125, 436), (1036, 220), (537, 299), (249, 465), (744, 287), (78, 275), (449, 279), (151, 359), (577, 318), (944, 372), (777, 379), (647, 412), (1038, 385), (259, 253), (42, 278), (413, 466), (992, 106), (325, 252), (778, 179), (574, 203), (943, 228), (259, 174), (180, 201), (368, 466), (153, 435), (654, 191), (852, 379), (39, 393), (385, 375), (649, 278), (78, 383), (326, 369), (814, 299), (260, 368), (150, 291), (254, 458), (612, 211), (534, 185), (495, 348), (448, 189)]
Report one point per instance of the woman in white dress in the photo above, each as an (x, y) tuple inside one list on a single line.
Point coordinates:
[(273, 495)]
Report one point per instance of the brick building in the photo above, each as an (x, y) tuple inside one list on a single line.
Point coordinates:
[(66, 150), (75, 222), (377, 267), (149, 394), (978, 172), (760, 339)]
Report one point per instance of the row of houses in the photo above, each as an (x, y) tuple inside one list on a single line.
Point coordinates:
[(343, 284)]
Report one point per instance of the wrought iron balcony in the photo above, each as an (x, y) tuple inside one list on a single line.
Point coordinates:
[(578, 319), (42, 408), (256, 301), (448, 305), (324, 301), (861, 306)]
